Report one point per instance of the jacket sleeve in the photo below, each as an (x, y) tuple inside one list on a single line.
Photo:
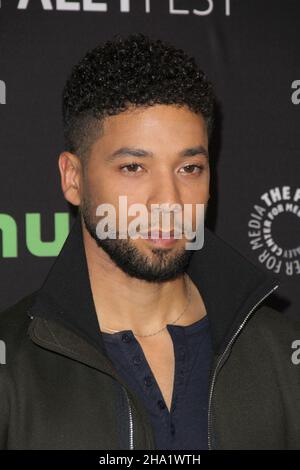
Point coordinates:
[(4, 407)]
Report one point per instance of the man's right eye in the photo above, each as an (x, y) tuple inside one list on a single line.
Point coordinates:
[(130, 168)]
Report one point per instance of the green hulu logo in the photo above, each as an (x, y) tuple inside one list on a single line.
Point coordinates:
[(34, 243)]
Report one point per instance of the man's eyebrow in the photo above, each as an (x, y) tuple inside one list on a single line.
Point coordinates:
[(190, 152), (136, 152)]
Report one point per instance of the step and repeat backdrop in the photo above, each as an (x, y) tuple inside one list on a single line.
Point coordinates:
[(250, 49)]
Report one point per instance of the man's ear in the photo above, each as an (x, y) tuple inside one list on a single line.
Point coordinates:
[(71, 176)]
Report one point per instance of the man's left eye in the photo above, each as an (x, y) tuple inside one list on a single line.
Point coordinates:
[(191, 168)]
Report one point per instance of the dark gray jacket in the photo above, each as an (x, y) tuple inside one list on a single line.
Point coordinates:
[(59, 390)]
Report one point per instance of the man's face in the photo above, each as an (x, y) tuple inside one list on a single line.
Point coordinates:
[(156, 168)]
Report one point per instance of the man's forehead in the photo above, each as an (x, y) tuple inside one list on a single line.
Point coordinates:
[(131, 131)]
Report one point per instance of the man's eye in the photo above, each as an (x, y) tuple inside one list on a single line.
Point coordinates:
[(131, 168), (190, 169)]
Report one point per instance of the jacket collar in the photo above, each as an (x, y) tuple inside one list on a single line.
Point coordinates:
[(229, 283)]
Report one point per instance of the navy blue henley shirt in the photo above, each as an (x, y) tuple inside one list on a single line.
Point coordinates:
[(185, 426)]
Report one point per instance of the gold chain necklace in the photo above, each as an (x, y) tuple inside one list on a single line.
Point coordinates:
[(188, 286)]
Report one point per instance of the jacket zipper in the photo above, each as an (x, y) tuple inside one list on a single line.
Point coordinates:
[(221, 360), (131, 446)]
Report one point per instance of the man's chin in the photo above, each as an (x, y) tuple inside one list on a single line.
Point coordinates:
[(154, 264)]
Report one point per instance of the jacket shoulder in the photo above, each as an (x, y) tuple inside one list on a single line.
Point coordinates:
[(13, 330)]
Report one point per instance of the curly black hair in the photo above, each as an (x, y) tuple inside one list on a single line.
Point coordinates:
[(135, 70)]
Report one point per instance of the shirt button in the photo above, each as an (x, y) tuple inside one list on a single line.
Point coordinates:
[(148, 380), (161, 404), (137, 360), (126, 338)]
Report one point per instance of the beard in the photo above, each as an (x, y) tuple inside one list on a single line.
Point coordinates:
[(162, 265)]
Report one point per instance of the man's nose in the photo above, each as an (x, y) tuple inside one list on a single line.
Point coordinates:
[(165, 191)]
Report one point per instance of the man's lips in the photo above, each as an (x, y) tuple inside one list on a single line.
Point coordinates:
[(160, 239)]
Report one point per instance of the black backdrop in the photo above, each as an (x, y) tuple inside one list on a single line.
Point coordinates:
[(249, 49)]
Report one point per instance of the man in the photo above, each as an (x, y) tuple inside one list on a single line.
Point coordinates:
[(135, 343)]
